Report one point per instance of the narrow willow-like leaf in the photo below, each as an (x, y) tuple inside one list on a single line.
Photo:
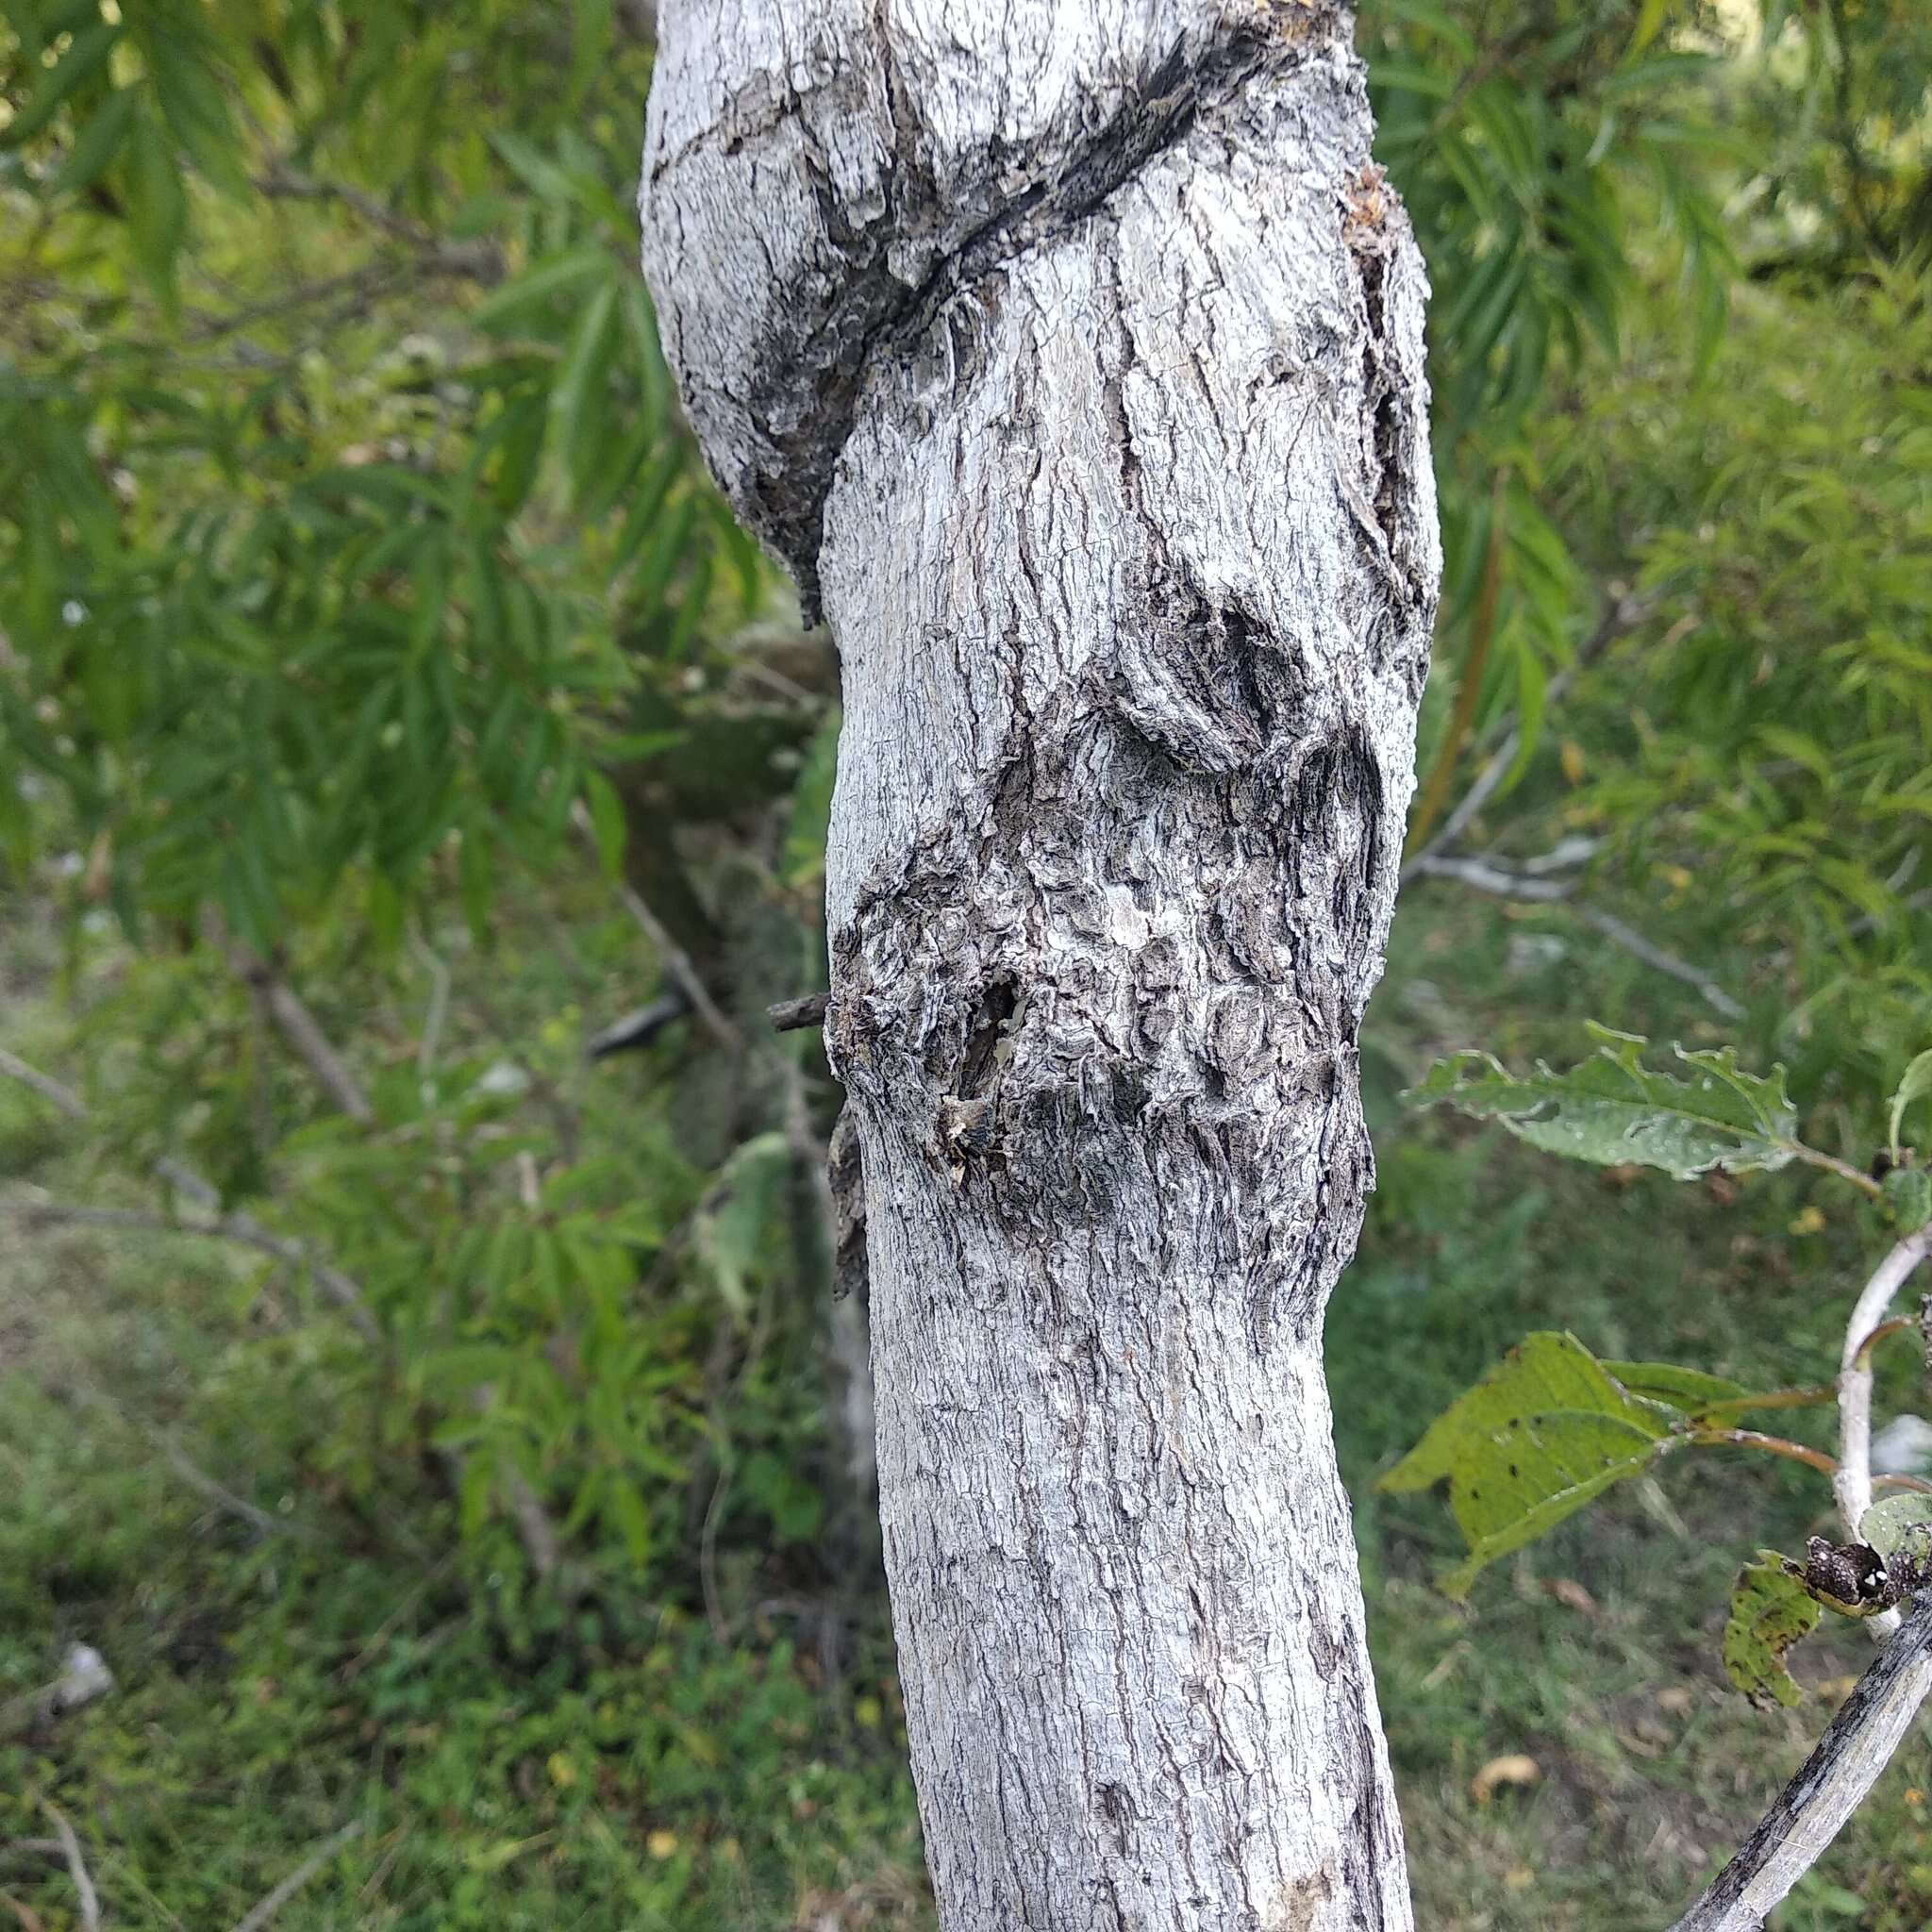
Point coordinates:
[(1547, 1430), (1770, 1611), (1613, 1109)]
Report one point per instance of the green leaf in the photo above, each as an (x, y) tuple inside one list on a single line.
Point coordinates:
[(518, 302), (86, 54), (96, 145), (1613, 1109), (1908, 1196), (606, 821), (1547, 1430), (625, 1509), (729, 1227), (1916, 1084), (157, 206), (1899, 1525), (1688, 1391), (1770, 1611)]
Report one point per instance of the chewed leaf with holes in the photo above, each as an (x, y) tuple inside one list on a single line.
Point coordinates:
[(1548, 1429), (1612, 1109), (1771, 1609)]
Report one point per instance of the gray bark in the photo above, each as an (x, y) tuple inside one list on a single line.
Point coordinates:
[(1070, 352)]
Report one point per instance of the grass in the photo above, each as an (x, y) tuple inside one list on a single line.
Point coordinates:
[(515, 1763)]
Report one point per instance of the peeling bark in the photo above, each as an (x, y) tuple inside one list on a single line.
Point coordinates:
[(1069, 352)]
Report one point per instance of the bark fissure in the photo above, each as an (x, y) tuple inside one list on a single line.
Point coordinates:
[(1120, 504), (878, 311)]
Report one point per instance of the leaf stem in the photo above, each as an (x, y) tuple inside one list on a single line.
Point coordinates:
[(1812, 1156), (1769, 1445)]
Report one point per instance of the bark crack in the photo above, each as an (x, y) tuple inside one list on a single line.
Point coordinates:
[(876, 314)]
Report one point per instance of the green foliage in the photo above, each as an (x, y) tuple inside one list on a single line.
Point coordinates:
[(1899, 1525), (1612, 1109), (1548, 1430), (1771, 1610), (1915, 1084)]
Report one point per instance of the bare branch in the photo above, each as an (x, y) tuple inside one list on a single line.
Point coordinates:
[(1488, 877), (1528, 883), (795, 1016), (240, 1227), (677, 960), (49, 1089), (265, 1911), (1851, 1485), (1621, 613), (297, 1023), (76, 1867), (1833, 1783), (1634, 943)]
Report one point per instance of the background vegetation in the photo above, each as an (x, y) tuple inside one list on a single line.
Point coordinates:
[(388, 707)]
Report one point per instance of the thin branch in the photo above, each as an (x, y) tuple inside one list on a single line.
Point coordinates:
[(795, 1016), (1833, 1783), (677, 960), (1634, 943), (297, 1023), (1508, 883), (1621, 613), (438, 1004), (77, 1868), (1769, 1445), (255, 1920), (1468, 693), (635, 1030), (50, 1089), (240, 1227), (1852, 1483), (1486, 878), (533, 1527)]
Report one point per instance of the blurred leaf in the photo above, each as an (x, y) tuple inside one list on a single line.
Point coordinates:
[(1914, 1086)]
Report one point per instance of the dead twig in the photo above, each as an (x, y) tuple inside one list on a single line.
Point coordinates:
[(295, 1024), (1851, 1485), (795, 1016), (677, 962), (1831, 1784), (77, 1868), (261, 1914)]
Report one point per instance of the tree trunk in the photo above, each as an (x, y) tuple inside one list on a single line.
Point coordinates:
[(1069, 351)]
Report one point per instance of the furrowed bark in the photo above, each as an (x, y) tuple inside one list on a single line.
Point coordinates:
[(1070, 353)]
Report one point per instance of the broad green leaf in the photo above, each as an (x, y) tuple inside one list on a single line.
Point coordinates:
[(1908, 1196), (1613, 1109), (1770, 1611), (1899, 1525), (1916, 1084), (1548, 1429), (1688, 1391)]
